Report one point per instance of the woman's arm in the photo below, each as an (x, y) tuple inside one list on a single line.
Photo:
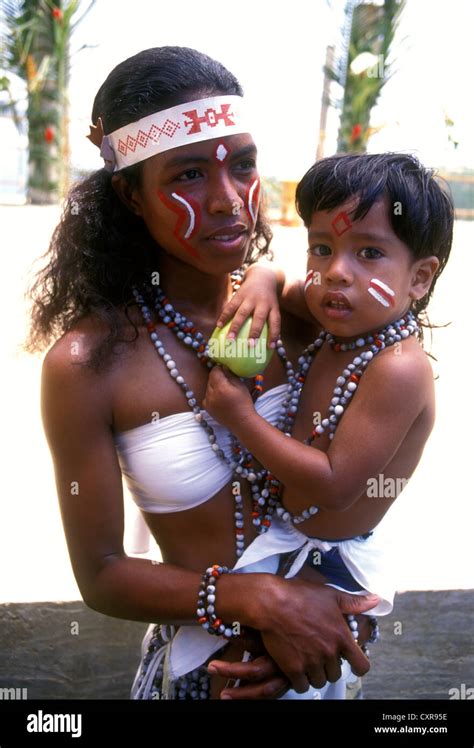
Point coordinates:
[(336, 479), (301, 625), (77, 423)]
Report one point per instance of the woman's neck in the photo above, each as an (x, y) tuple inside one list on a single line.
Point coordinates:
[(191, 291)]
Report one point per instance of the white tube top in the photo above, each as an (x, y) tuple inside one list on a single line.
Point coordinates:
[(168, 464)]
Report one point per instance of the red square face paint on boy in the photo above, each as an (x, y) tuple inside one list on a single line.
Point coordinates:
[(368, 275), (192, 201)]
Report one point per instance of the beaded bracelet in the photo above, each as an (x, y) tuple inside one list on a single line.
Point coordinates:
[(206, 609), (374, 635), (286, 516)]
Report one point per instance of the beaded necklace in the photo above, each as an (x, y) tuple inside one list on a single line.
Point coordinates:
[(265, 488)]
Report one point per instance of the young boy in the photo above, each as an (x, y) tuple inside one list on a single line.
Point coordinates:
[(380, 233)]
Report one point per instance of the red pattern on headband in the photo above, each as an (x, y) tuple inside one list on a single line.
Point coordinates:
[(143, 138), (210, 118)]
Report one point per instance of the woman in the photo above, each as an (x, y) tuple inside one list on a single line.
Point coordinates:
[(176, 205)]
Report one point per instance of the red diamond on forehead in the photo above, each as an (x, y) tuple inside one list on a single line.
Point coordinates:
[(341, 223)]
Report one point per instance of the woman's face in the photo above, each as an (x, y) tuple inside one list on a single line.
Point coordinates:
[(200, 201)]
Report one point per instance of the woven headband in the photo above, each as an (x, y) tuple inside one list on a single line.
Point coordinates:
[(191, 122)]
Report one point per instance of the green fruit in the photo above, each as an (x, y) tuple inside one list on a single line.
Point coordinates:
[(241, 358)]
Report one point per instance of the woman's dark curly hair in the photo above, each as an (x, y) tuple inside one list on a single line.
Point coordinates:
[(100, 249), (421, 214)]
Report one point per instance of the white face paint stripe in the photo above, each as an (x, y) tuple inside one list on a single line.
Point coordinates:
[(251, 191), (378, 297), (309, 279), (192, 217), (383, 286)]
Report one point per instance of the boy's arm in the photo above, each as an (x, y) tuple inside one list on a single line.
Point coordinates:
[(367, 438), (263, 289), (257, 296)]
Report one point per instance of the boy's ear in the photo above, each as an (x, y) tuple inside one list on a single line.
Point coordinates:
[(423, 272), (127, 195)]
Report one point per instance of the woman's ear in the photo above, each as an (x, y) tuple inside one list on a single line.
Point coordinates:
[(423, 272), (130, 197)]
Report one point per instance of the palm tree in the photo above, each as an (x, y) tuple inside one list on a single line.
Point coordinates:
[(365, 70), (35, 41)]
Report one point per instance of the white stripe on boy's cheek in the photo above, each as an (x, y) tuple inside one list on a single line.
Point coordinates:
[(381, 292), (383, 286), (378, 297), (192, 216)]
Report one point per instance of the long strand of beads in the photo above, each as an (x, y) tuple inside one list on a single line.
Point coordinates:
[(268, 499), (182, 327), (348, 381)]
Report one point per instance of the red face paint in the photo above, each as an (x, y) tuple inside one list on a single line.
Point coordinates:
[(309, 279), (188, 221), (341, 223)]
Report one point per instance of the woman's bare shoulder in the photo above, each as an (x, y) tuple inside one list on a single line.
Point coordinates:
[(68, 378), (77, 345)]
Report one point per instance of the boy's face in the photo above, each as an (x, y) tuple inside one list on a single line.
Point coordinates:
[(361, 276)]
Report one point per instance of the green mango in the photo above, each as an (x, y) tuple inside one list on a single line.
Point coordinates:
[(242, 359)]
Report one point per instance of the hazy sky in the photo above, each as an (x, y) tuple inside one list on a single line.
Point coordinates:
[(277, 50)]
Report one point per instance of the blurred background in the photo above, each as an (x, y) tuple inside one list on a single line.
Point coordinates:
[(319, 77)]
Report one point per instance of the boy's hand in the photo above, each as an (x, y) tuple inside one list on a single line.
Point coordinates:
[(257, 297), (226, 398), (259, 679)]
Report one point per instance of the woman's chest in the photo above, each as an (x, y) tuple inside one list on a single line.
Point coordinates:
[(143, 389)]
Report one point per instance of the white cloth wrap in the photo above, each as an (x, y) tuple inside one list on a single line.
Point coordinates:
[(191, 646)]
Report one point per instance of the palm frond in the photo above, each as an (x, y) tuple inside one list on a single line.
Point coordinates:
[(373, 30)]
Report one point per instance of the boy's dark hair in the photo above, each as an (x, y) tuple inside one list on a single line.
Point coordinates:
[(422, 212), (100, 249)]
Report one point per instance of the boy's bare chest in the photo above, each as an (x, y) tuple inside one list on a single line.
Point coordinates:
[(317, 394)]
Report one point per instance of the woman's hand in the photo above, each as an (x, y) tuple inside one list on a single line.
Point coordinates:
[(227, 399), (261, 678), (305, 632), (257, 297)]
